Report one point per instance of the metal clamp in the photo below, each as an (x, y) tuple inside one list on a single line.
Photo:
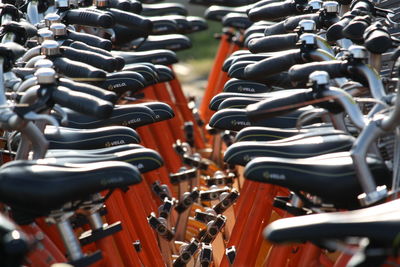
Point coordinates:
[(226, 202), (187, 253), (187, 200), (213, 194), (159, 227), (213, 228)]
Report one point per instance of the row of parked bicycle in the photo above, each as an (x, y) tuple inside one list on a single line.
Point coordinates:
[(106, 162)]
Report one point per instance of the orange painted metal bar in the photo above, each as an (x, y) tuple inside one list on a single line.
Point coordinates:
[(342, 260), (51, 232), (146, 235), (222, 52), (161, 93), (110, 252), (277, 256), (220, 82), (245, 202), (260, 211), (123, 239), (45, 254), (310, 256), (182, 104)]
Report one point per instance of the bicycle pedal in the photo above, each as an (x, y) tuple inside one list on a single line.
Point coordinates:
[(189, 132), (281, 203), (166, 208), (226, 202), (231, 254), (213, 194), (87, 260), (181, 176), (196, 162), (213, 228), (187, 253), (91, 236), (161, 190), (187, 200), (206, 255), (220, 180), (204, 217), (159, 227)]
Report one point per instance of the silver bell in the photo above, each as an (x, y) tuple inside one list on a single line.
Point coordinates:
[(50, 48), (319, 77), (358, 52), (45, 76)]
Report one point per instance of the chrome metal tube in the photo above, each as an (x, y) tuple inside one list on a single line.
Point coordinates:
[(70, 241)]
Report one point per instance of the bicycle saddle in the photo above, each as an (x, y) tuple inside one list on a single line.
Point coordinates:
[(157, 56), (196, 24), (255, 133), (232, 3), (142, 158), (248, 87), (236, 119), (133, 115), (379, 223), (237, 21), (237, 102), (165, 74), (163, 25), (174, 42), (299, 146), (55, 153), (216, 13), (162, 9), (70, 138), (331, 177), (37, 187), (123, 81), (218, 99), (148, 71), (161, 110)]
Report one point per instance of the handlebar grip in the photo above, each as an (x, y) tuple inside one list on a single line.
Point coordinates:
[(91, 58), (378, 41), (76, 69), (88, 18), (136, 7), (334, 32), (273, 11), (89, 89), (300, 73), (130, 20), (118, 61), (273, 65), (90, 40), (292, 22), (120, 4), (82, 103), (273, 43), (277, 28), (273, 107), (355, 29), (362, 6)]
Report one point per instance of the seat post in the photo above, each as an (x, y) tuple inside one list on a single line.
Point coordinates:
[(71, 243)]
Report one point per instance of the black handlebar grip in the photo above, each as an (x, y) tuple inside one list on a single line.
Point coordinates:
[(363, 6), (277, 28), (74, 69), (91, 58), (273, 107), (82, 103), (88, 18), (273, 43), (136, 6), (120, 4), (334, 32), (300, 73), (292, 22), (273, 11), (355, 29), (90, 40), (378, 41), (119, 61), (262, 3), (132, 21), (89, 89), (273, 65)]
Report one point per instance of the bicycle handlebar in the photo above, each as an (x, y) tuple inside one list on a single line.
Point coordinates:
[(76, 69), (87, 17)]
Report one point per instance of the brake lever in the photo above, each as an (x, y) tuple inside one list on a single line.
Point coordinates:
[(60, 111), (33, 116)]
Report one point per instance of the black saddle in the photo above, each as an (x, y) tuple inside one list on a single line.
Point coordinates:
[(196, 24), (165, 74), (237, 21), (174, 42), (380, 223), (247, 87), (331, 177), (218, 99), (37, 187), (134, 115), (70, 138), (236, 119), (271, 133), (299, 146), (148, 71), (216, 13), (159, 56), (162, 9), (123, 81), (163, 25), (55, 153), (142, 158)]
